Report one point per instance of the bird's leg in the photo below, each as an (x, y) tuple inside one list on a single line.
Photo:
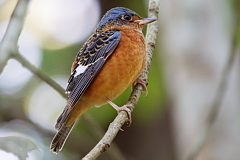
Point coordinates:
[(141, 81), (125, 108)]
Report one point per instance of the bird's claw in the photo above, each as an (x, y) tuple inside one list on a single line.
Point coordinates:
[(142, 81), (126, 108)]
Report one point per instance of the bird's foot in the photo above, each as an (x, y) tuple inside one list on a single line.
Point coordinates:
[(127, 108), (141, 81)]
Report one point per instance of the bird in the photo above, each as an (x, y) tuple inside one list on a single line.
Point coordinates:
[(107, 64)]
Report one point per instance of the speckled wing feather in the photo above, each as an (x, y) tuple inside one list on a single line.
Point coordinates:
[(88, 63)]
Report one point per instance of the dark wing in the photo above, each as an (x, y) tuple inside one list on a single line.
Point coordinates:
[(89, 61)]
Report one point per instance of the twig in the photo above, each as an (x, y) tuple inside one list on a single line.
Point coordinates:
[(39, 74), (122, 117), (98, 132), (221, 91), (13, 32)]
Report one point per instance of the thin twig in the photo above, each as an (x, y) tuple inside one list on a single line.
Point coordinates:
[(98, 132), (39, 74), (9, 42), (122, 117), (220, 93)]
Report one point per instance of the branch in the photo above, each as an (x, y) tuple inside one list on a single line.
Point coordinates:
[(39, 74), (221, 90), (99, 132), (122, 118), (10, 39)]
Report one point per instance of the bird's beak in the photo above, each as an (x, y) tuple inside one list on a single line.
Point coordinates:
[(144, 21)]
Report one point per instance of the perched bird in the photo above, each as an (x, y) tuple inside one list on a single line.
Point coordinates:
[(109, 62)]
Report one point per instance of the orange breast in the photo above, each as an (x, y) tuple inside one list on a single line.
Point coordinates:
[(120, 70)]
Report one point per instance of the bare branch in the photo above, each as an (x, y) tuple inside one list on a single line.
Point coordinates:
[(115, 153), (122, 118), (39, 74), (9, 42), (221, 90)]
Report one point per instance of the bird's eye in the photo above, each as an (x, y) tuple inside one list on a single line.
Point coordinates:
[(127, 17)]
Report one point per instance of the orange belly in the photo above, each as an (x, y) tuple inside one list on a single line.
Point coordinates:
[(120, 70)]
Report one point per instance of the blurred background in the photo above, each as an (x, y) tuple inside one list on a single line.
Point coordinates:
[(193, 47)]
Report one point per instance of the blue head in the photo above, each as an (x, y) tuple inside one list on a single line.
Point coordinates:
[(116, 15)]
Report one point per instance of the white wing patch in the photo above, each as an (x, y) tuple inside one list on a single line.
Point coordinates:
[(80, 69)]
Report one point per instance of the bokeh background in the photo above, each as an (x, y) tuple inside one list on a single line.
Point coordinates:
[(193, 47)]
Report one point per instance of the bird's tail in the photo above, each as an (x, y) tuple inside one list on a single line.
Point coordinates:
[(60, 138)]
